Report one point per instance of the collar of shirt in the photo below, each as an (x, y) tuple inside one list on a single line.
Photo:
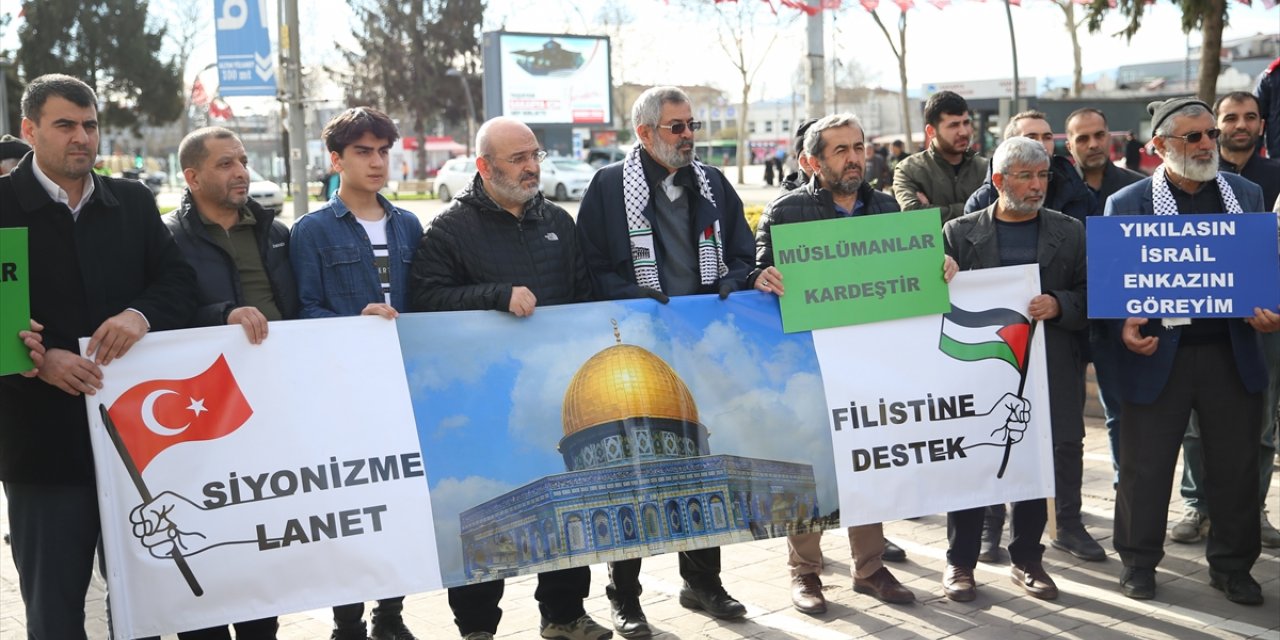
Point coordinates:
[(58, 193), (845, 213)]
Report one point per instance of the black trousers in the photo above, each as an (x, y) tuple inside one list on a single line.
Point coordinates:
[(1204, 378), (559, 595), (53, 530), (700, 569), (1068, 474), (264, 629), (964, 533)]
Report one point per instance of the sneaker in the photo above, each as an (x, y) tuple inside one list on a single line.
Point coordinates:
[(1270, 537), (583, 628), (478, 635), (1193, 527), (391, 629), (1077, 542)]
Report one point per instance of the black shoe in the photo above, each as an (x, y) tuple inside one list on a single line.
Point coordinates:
[(392, 629), (1077, 542), (1239, 587), (893, 553), (714, 601), (1138, 583), (628, 618), (349, 633)]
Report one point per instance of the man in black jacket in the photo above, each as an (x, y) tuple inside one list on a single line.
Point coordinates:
[(834, 155), (240, 254), (660, 223), (101, 265), (239, 251), (501, 246)]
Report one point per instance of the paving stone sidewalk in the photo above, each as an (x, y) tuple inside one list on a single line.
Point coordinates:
[(1090, 606)]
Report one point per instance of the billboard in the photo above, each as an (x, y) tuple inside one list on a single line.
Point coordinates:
[(549, 79)]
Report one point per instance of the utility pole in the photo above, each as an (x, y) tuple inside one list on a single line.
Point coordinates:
[(297, 120), (817, 58)]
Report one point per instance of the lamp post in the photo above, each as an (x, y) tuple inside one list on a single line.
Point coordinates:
[(471, 106)]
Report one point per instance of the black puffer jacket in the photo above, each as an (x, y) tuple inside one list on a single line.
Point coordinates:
[(807, 203), (217, 279), (474, 252)]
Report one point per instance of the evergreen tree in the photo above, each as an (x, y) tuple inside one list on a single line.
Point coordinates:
[(110, 44)]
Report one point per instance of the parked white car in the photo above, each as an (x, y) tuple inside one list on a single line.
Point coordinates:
[(453, 176), (265, 192), (565, 178)]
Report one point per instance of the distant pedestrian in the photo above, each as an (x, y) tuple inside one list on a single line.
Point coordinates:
[(1132, 152)]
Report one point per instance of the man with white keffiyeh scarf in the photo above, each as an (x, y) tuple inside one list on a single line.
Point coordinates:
[(1171, 366), (662, 224)]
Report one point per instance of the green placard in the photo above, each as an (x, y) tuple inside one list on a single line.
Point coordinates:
[(862, 269), (15, 300)]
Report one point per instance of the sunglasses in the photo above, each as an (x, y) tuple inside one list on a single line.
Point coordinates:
[(677, 128), (1197, 136)]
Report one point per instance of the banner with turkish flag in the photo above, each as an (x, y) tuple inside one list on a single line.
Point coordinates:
[(158, 414)]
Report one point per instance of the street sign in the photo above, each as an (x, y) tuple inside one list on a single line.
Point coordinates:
[(246, 65)]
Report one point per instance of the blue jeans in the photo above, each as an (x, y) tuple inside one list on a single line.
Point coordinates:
[(1192, 487)]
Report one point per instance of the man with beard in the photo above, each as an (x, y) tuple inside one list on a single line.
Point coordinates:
[(240, 253), (1089, 142), (834, 154), (1241, 125), (1018, 229), (948, 172), (101, 265), (1067, 192), (501, 246), (1172, 366), (662, 224)]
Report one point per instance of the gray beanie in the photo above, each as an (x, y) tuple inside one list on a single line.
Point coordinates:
[(1160, 110)]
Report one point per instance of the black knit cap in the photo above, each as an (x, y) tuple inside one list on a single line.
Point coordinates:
[(1160, 110), (800, 131), (12, 148)]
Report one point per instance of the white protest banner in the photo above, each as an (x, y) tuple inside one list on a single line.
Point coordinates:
[(945, 412), (259, 480)]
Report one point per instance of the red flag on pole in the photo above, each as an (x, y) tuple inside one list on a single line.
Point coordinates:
[(198, 95), (155, 415)]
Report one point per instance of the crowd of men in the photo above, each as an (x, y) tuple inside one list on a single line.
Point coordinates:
[(657, 224)]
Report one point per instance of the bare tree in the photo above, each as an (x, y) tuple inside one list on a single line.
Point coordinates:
[(1073, 25), (900, 52), (746, 35), (614, 17)]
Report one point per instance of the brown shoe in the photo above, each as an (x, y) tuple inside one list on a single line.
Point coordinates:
[(806, 594), (1038, 584), (884, 587), (958, 583)]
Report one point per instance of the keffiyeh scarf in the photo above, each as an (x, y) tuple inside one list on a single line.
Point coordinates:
[(1165, 205), (635, 190)]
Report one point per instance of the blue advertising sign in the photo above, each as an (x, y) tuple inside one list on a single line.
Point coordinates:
[(1184, 266), (246, 66)]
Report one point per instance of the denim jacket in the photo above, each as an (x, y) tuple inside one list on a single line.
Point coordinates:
[(333, 261)]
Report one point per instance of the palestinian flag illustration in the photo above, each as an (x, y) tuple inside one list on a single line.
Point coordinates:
[(999, 333)]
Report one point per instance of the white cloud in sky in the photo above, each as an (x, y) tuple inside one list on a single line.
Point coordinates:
[(450, 497)]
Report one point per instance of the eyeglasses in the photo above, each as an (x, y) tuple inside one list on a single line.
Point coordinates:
[(1195, 136), (1026, 176), (521, 158), (678, 128)]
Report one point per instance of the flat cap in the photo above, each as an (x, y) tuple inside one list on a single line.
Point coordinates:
[(12, 148), (1160, 110)]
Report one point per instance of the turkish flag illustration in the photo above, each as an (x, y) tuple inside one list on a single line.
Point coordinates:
[(157, 414)]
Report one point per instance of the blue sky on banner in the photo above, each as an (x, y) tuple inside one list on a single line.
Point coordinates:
[(488, 388)]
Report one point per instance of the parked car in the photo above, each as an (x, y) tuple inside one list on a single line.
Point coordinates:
[(265, 192), (453, 176), (565, 178), (601, 156)]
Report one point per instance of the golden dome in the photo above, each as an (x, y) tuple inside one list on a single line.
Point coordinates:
[(625, 381)]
